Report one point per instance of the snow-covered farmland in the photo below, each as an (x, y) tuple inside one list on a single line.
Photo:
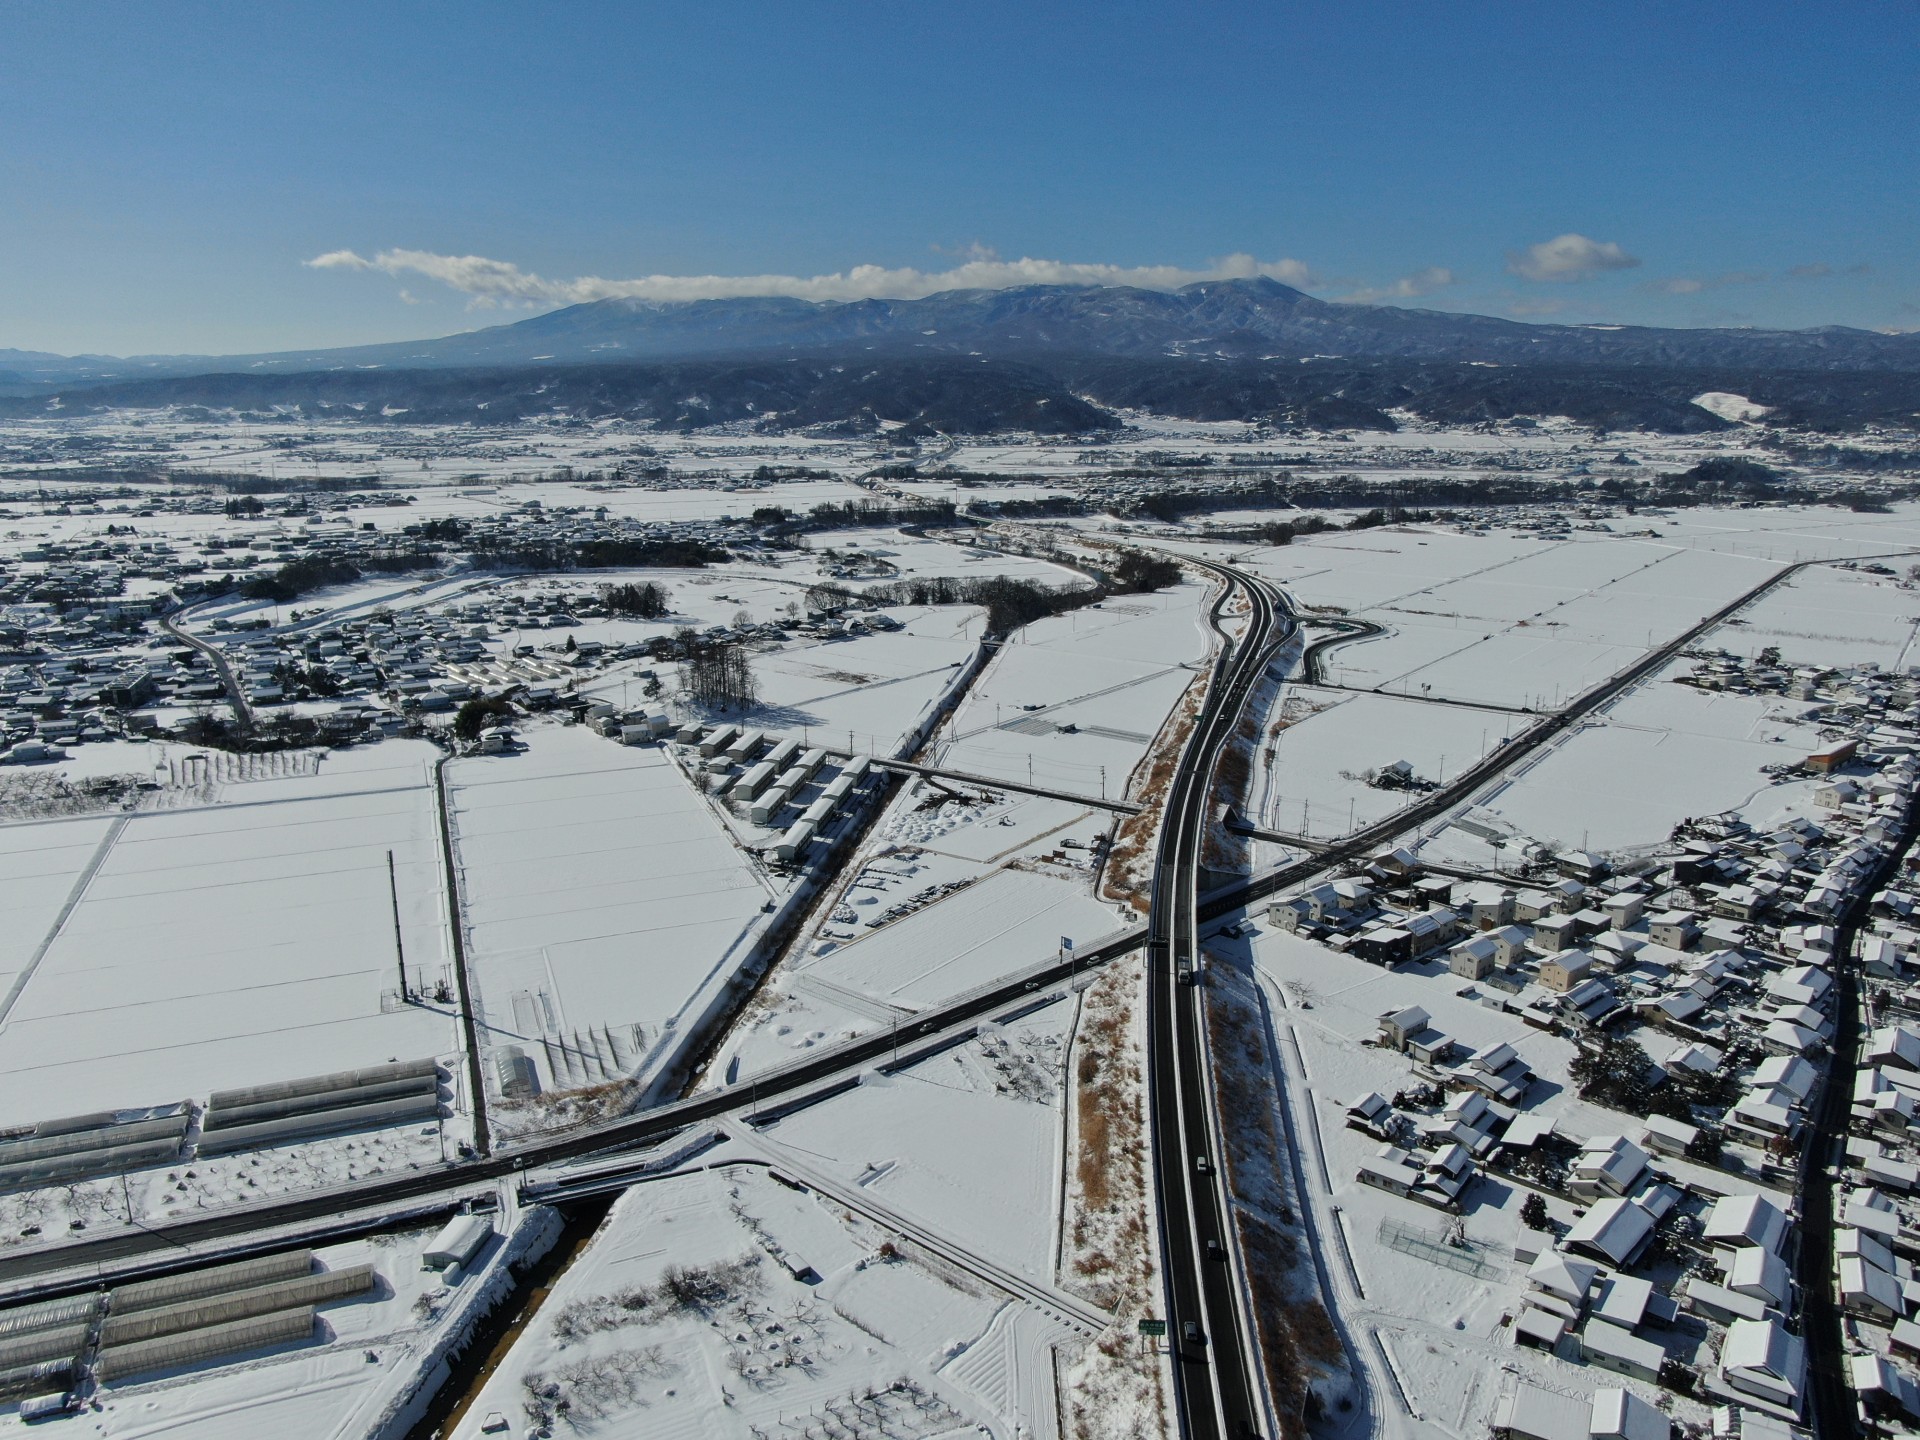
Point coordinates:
[(1826, 615), (1316, 783), (966, 1143), (723, 1303), (1008, 920), (603, 897), (950, 895), (1536, 629), (1074, 701), (1632, 772), (957, 888), (224, 945), (866, 694)]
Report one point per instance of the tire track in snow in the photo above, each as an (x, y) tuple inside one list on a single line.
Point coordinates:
[(66, 913)]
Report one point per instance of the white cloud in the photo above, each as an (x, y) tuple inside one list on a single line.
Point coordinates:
[(1408, 287), (339, 260), (1569, 257), (499, 282)]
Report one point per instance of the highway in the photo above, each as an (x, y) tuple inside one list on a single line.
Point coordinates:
[(1217, 1392)]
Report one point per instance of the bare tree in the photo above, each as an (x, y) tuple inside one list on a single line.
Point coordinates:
[(718, 673)]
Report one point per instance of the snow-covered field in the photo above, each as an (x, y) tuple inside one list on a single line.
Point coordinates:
[(1663, 753), (1830, 616), (956, 889), (203, 948), (1528, 629), (602, 893), (1074, 701), (724, 1301), (948, 896), (1316, 784)]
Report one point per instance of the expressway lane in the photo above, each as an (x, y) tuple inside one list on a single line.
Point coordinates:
[(1217, 1392)]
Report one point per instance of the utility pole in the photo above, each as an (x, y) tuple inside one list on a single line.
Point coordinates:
[(399, 948)]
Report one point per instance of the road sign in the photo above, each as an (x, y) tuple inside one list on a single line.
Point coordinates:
[(1153, 1327)]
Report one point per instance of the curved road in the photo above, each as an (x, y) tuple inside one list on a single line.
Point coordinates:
[(242, 711), (1217, 1391)]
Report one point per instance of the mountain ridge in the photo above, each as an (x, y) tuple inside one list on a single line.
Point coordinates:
[(1244, 319), (974, 395)]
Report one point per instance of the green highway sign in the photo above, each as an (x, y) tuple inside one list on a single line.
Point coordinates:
[(1153, 1327)]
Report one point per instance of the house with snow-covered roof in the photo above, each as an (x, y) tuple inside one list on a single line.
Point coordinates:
[(1740, 1220), (1762, 1359), (1608, 1165), (1613, 1230)]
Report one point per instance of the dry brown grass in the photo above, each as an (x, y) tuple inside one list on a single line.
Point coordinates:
[(1298, 1342), (1109, 1121), (1127, 865), (1115, 1385)]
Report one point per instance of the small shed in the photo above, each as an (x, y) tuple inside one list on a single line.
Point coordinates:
[(458, 1242)]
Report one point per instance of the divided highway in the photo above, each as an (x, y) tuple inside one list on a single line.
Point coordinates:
[(1217, 1392)]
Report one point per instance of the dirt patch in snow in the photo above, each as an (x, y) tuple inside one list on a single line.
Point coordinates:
[(1299, 1346), (1130, 864), (1116, 1386)]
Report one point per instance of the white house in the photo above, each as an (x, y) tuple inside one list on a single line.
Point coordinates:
[(1741, 1220), (1762, 1359)]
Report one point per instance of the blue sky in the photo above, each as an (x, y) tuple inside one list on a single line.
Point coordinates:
[(167, 172)]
